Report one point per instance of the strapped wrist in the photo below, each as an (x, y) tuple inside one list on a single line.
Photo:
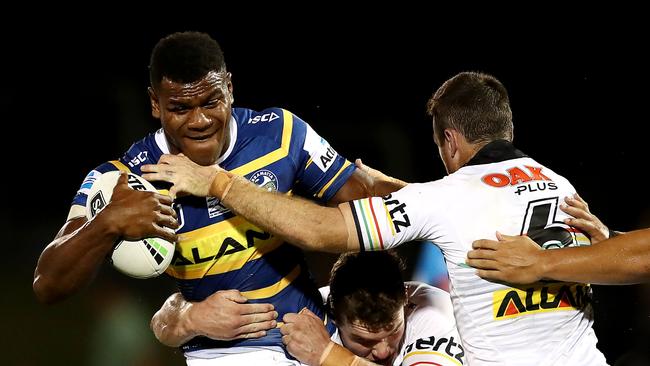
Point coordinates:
[(336, 355), (221, 184)]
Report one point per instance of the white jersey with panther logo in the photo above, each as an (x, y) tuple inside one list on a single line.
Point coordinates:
[(541, 324), (430, 336)]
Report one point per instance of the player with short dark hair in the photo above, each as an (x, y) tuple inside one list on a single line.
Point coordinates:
[(380, 318)]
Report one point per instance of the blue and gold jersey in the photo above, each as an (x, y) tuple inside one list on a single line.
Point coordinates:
[(218, 250)]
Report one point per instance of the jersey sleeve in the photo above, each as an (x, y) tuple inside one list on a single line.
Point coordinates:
[(432, 336), (433, 345), (321, 171), (78, 206), (379, 223)]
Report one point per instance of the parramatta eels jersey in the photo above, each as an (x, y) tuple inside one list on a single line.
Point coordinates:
[(218, 250), (500, 189)]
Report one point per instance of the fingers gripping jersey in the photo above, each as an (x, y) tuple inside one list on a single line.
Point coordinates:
[(218, 250), (430, 336), (545, 323)]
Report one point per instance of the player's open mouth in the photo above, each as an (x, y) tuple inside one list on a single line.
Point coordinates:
[(201, 137)]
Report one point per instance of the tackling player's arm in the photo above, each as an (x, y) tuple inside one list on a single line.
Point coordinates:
[(223, 315), (72, 259), (301, 222), (624, 259), (314, 227)]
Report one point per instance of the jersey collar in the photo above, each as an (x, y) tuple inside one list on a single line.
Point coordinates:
[(163, 143), (494, 152)]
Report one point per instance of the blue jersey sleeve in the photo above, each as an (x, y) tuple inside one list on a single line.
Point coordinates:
[(321, 171), (82, 194)]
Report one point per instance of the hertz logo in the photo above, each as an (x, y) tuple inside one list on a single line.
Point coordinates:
[(512, 302)]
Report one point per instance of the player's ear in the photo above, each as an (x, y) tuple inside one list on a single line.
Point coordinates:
[(155, 105), (229, 86), (451, 139)]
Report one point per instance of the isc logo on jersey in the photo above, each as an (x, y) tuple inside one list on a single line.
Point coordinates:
[(138, 159), (266, 117), (514, 302)]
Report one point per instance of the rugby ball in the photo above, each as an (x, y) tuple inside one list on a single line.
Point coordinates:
[(144, 258)]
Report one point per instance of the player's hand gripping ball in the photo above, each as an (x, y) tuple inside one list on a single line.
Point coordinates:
[(144, 258)]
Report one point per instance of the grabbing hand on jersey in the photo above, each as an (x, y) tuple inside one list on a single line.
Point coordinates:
[(583, 219), (305, 336), (379, 178), (224, 315), (186, 176), (516, 259), (511, 259)]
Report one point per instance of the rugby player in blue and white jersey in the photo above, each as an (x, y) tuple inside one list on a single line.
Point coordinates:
[(249, 275)]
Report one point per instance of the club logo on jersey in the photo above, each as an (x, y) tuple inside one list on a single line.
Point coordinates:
[(512, 302), (266, 117), (265, 179), (215, 208), (533, 177), (445, 347), (397, 212), (97, 203)]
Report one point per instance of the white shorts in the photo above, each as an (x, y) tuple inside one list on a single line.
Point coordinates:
[(244, 356)]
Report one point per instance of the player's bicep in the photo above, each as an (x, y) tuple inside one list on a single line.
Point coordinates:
[(71, 226)]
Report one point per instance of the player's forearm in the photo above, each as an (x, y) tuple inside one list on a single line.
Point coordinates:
[(171, 324), (300, 222), (624, 259), (71, 260), (386, 185)]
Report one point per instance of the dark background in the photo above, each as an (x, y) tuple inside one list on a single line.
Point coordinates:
[(74, 95)]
